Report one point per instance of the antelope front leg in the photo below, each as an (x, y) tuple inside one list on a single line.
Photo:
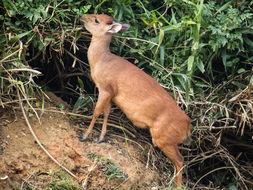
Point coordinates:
[(104, 99), (106, 114)]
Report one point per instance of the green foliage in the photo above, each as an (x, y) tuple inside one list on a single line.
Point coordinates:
[(93, 156), (83, 102), (63, 184), (110, 170), (61, 180), (227, 32), (184, 40), (113, 171), (28, 27)]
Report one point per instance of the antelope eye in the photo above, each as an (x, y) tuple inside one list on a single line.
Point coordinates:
[(96, 21)]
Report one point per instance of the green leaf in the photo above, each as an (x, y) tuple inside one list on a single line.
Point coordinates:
[(154, 17), (189, 2), (174, 27), (20, 83), (225, 6), (224, 58), (190, 63), (250, 59), (181, 78), (249, 42), (12, 13), (190, 22), (201, 66), (14, 39), (78, 34), (79, 103), (232, 186), (200, 7), (30, 114), (40, 45), (48, 39), (165, 20), (36, 16), (162, 55), (251, 81), (241, 70), (161, 36), (196, 33), (201, 84), (173, 17), (19, 36), (239, 85), (80, 83), (44, 14), (37, 104)]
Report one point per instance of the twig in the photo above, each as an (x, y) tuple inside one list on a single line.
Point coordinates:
[(24, 69), (74, 57), (7, 57), (37, 140), (90, 169), (212, 127), (26, 181), (15, 101)]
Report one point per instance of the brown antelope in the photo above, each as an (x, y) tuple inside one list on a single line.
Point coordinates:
[(138, 95)]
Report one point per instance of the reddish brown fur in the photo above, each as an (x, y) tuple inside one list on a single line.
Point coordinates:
[(138, 95)]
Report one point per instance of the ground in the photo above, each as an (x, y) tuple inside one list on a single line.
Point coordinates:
[(24, 164)]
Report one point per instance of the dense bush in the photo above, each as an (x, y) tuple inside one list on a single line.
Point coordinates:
[(201, 50), (190, 44)]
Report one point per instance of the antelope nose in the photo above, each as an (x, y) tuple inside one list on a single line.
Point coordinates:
[(83, 19)]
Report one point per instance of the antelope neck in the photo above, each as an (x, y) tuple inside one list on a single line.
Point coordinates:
[(98, 46)]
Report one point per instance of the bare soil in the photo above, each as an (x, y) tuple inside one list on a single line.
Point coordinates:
[(23, 163)]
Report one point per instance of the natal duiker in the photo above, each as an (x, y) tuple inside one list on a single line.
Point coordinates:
[(138, 95)]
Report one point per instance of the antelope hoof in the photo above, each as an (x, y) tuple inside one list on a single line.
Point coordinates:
[(82, 139), (99, 141)]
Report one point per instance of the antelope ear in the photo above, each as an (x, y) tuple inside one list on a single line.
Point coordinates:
[(115, 28), (124, 28)]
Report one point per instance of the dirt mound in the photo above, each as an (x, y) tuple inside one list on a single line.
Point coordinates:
[(114, 164)]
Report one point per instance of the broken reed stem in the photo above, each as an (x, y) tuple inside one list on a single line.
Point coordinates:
[(38, 141)]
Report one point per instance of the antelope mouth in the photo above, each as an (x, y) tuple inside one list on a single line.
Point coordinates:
[(83, 19)]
